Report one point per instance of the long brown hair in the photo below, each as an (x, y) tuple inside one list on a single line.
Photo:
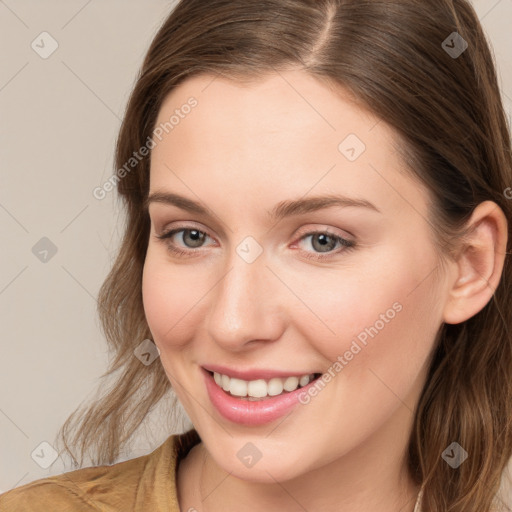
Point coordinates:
[(446, 108)]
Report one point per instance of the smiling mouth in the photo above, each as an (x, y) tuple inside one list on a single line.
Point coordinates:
[(261, 389)]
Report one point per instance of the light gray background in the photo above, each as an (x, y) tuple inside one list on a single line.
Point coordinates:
[(59, 121)]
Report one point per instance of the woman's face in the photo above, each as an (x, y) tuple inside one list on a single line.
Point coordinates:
[(265, 291)]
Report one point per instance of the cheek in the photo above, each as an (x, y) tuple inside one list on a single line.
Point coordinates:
[(383, 316), (167, 301)]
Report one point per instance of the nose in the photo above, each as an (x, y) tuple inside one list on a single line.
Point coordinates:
[(247, 305)]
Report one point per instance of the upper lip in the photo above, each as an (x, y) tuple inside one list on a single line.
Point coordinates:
[(253, 373)]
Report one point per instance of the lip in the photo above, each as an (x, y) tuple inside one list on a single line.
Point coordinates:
[(253, 374), (246, 412)]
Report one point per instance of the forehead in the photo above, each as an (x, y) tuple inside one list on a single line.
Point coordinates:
[(286, 133), (291, 102)]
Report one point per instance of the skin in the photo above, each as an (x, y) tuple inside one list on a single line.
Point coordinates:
[(240, 151)]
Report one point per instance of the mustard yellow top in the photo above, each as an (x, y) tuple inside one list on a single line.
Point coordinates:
[(141, 484)]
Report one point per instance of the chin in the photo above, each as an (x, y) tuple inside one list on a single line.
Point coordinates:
[(268, 469), (268, 474)]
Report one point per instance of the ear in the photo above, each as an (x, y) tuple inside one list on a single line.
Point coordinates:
[(479, 263)]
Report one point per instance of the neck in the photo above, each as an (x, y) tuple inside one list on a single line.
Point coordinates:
[(373, 476)]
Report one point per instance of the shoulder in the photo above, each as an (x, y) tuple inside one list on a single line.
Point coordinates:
[(91, 489), (123, 486), (61, 492)]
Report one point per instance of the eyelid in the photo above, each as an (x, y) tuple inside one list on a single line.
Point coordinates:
[(347, 243), (331, 231), (190, 225), (168, 232), (302, 233)]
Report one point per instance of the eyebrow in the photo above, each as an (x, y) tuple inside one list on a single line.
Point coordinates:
[(281, 210)]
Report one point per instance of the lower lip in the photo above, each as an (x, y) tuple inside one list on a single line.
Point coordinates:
[(248, 412)]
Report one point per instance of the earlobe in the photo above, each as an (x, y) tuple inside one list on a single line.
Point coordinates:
[(479, 264)]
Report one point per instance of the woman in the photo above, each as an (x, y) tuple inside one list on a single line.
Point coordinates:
[(316, 243)]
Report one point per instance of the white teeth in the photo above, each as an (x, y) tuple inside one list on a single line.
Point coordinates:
[(304, 380), (275, 386), (291, 383), (257, 388), (237, 387), (260, 388), (225, 382)]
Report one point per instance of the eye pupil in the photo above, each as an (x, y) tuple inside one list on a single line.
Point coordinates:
[(323, 240), (196, 236)]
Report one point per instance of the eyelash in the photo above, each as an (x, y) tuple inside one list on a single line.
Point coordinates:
[(347, 245)]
